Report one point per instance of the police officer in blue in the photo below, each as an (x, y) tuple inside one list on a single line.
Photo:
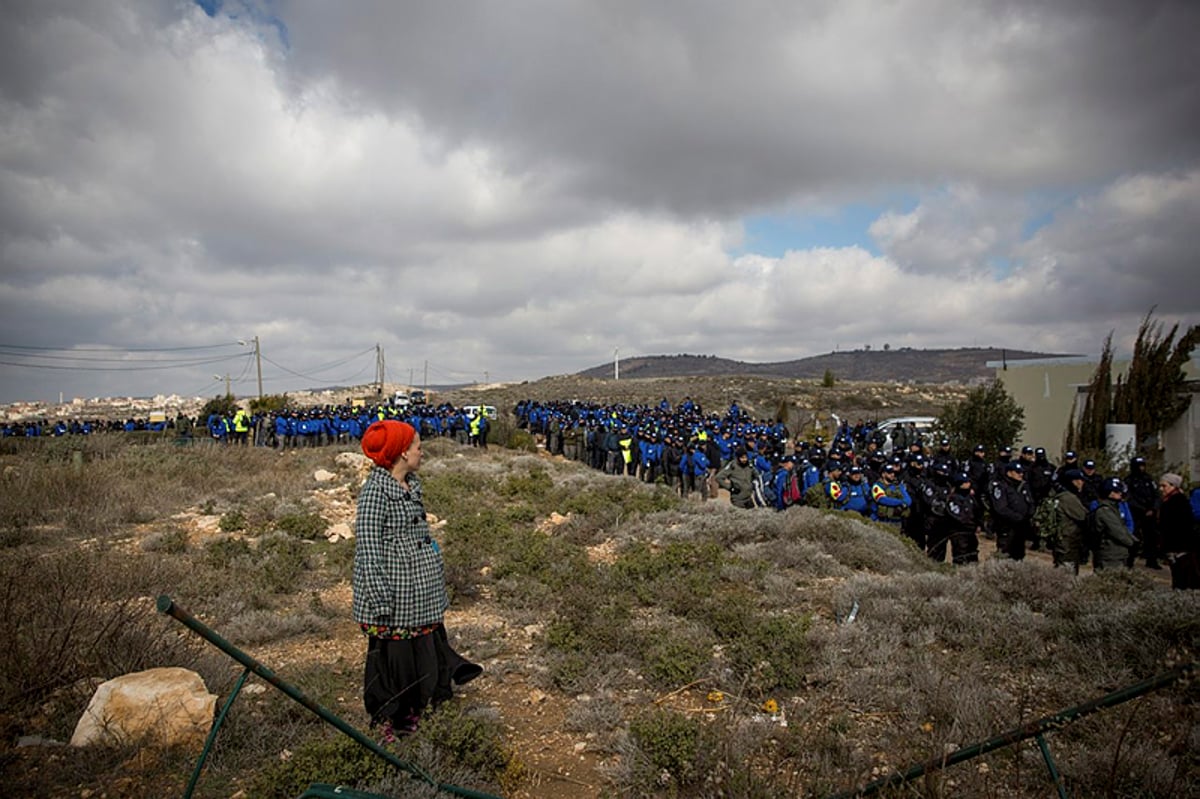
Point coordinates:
[(856, 493)]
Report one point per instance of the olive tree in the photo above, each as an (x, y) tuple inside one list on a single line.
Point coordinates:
[(988, 415)]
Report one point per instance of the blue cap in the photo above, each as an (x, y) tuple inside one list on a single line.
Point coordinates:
[(1015, 466), (1072, 474)]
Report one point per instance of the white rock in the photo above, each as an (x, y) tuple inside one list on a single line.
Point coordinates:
[(351, 460), (157, 707), (339, 531), (323, 476)]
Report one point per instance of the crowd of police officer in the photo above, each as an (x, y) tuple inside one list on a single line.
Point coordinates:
[(342, 424), (942, 503)]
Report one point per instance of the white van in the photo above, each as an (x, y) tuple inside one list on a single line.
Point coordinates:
[(488, 410), (400, 400), (926, 426)]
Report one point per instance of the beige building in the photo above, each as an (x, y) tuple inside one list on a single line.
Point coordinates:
[(1048, 388)]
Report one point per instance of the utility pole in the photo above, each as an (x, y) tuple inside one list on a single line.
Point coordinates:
[(425, 382), (616, 363), (258, 363), (379, 370)]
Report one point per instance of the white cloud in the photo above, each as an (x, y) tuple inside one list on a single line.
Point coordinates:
[(518, 193), (954, 231)]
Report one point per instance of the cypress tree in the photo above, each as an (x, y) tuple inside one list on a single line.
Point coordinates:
[(1151, 394), (1097, 410)]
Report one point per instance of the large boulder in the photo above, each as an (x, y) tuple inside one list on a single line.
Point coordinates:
[(162, 707)]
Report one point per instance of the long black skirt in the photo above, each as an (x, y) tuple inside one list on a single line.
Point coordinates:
[(404, 677)]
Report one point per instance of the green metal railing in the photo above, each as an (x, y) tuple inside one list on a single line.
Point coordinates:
[(1034, 729), (168, 607)]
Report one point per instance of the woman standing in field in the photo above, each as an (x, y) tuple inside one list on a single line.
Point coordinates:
[(400, 588)]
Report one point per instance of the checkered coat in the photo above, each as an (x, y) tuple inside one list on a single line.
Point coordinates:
[(399, 579)]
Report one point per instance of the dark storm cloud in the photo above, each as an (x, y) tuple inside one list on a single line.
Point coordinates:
[(736, 105)]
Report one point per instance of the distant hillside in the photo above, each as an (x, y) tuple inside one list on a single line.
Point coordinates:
[(906, 364)]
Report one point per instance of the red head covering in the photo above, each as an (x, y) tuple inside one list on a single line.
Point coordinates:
[(387, 440)]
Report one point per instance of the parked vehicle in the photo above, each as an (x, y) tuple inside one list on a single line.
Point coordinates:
[(926, 426)]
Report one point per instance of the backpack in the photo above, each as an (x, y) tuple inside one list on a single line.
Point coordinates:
[(1045, 519), (792, 495), (762, 491)]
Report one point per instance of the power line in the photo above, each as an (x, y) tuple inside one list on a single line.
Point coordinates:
[(111, 349), (319, 368), (158, 365)]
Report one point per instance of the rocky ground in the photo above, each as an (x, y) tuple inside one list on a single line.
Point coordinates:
[(559, 763)]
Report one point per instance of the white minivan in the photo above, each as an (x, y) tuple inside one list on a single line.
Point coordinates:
[(925, 426)]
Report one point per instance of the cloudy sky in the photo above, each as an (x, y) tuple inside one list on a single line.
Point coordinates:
[(508, 190)]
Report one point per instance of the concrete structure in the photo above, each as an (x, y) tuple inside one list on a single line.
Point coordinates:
[(1049, 388)]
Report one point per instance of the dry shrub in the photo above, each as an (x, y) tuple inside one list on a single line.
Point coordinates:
[(67, 616), (257, 626)]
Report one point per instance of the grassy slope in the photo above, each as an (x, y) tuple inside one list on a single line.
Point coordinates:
[(634, 596)]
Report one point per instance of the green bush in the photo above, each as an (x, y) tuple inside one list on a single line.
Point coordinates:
[(673, 658), (168, 542), (221, 553), (233, 521), (522, 440), (309, 526), (534, 484), (669, 742), (468, 738), (772, 652), (280, 563), (325, 757)]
